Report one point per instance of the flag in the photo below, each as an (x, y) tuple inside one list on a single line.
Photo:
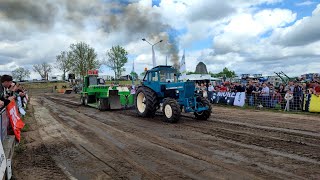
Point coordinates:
[(183, 69), (15, 119)]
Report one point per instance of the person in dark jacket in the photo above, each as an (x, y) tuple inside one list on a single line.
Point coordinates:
[(5, 83), (250, 88)]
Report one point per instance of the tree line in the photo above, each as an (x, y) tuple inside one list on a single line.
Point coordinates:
[(227, 73), (78, 59)]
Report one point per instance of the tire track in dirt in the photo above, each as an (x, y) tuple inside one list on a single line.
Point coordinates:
[(88, 135), (182, 126), (311, 122), (235, 132), (93, 168), (181, 152)]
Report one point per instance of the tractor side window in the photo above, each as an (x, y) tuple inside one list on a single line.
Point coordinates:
[(101, 81), (154, 76)]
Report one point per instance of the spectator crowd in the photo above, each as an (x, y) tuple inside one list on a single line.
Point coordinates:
[(266, 94), (11, 90)]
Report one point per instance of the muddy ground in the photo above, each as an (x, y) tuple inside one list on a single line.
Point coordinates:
[(69, 141)]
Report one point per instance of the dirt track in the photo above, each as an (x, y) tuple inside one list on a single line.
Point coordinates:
[(84, 143)]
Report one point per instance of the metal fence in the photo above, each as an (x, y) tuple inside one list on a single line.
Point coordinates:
[(276, 101), (4, 120), (280, 101)]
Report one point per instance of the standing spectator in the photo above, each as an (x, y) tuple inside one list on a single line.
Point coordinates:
[(203, 89), (271, 89), (283, 93), (304, 88), (256, 93), (276, 98), (317, 88), (223, 88), (297, 96), (288, 97), (250, 88), (239, 87), (289, 87), (6, 82), (265, 94), (232, 87), (210, 92)]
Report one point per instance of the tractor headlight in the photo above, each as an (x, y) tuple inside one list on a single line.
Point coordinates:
[(177, 91)]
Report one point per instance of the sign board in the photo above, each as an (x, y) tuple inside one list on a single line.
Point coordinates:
[(93, 72), (239, 99), (224, 98), (229, 98)]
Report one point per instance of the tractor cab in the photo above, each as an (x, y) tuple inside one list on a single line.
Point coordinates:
[(163, 74), (164, 81)]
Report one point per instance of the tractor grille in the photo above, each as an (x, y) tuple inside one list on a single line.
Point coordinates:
[(189, 89)]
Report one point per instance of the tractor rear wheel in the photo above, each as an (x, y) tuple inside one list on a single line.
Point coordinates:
[(203, 115), (146, 102), (171, 110), (99, 104)]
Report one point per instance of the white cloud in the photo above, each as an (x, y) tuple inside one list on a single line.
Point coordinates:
[(305, 3), (302, 32), (244, 31)]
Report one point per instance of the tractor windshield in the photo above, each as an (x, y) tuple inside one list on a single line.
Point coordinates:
[(168, 76), (93, 80)]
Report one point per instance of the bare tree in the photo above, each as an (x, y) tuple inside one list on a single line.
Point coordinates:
[(20, 73), (83, 58), (117, 58), (43, 69), (64, 62)]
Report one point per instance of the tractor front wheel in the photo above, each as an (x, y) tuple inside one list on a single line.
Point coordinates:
[(146, 102), (100, 104), (82, 100), (86, 99), (171, 110), (203, 115)]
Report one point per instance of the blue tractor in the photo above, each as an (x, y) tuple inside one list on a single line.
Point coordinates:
[(161, 88)]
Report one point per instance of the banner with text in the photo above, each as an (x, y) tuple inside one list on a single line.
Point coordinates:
[(15, 120), (229, 98)]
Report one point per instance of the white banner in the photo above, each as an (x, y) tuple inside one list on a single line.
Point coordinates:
[(239, 99)]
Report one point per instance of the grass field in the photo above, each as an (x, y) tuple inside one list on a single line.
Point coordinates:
[(45, 85)]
